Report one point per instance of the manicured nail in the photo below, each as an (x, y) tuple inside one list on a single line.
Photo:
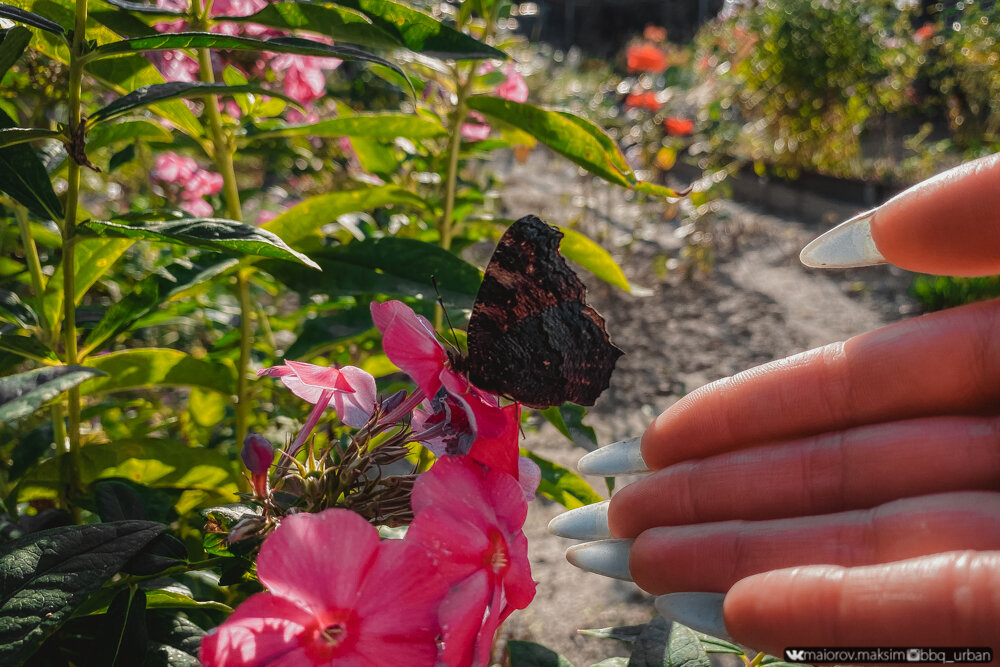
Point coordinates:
[(699, 611), (589, 522), (848, 244), (618, 458), (605, 557)]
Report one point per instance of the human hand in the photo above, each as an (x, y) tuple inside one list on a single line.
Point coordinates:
[(845, 496)]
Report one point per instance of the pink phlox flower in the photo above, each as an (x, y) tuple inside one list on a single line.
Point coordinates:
[(477, 130), (514, 88), (409, 341), (304, 76), (470, 518), (173, 168), (336, 595), (349, 389), (203, 183)]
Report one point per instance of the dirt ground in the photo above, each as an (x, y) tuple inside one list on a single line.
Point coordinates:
[(759, 304)]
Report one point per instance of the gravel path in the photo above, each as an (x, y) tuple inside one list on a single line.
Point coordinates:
[(759, 304)]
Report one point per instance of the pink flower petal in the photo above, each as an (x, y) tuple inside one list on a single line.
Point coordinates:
[(409, 341), (262, 630), (518, 586), (501, 452), (462, 614), (529, 477), (295, 560), (355, 408), (515, 88)]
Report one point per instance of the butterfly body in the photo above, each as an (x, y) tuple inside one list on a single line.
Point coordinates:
[(532, 337)]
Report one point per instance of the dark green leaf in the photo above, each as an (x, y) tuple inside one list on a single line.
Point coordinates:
[(15, 41), (161, 92), (325, 18), (47, 575), (163, 552), (211, 40), (165, 599), (21, 135), (23, 177), (530, 654), (174, 640), (208, 233), (29, 347), (125, 637), (116, 499), (568, 419), (150, 293), (390, 265), (308, 216), (220, 521), (22, 394), (29, 18), (124, 156), (15, 310), (624, 633), (422, 33), (563, 485), (666, 644), (321, 332), (157, 367), (107, 134), (385, 126)]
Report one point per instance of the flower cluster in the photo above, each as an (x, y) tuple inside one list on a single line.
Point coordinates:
[(335, 591), (512, 88), (182, 177)]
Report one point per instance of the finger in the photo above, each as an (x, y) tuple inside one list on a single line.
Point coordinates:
[(714, 556), (943, 363), (948, 225), (854, 469), (948, 599)]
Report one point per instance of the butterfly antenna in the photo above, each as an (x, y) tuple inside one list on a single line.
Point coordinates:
[(454, 338)]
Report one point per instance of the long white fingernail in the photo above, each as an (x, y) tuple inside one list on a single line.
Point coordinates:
[(848, 244), (589, 522), (698, 611), (605, 557), (618, 458)]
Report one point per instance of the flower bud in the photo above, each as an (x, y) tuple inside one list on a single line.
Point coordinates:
[(257, 455)]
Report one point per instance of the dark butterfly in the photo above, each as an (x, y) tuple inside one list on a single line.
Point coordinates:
[(532, 337)]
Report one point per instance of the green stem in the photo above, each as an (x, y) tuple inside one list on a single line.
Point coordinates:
[(222, 153), (34, 268), (458, 117), (72, 483)]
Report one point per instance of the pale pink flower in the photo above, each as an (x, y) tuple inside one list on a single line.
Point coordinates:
[(409, 341), (350, 390), (304, 76), (470, 518), (203, 183), (197, 207), (173, 168), (336, 595), (475, 131), (515, 88)]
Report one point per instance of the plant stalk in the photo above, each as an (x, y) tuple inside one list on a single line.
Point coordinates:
[(222, 153), (72, 483)]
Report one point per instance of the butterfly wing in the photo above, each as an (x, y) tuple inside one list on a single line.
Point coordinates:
[(532, 336)]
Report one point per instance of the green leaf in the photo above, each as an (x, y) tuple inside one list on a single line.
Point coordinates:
[(624, 633), (563, 485), (162, 599), (174, 640), (125, 634), (48, 574), (325, 18), (161, 92), (149, 294), (157, 367), (568, 420), (612, 662), (22, 394), (530, 654), (124, 156), (666, 644), (375, 157), (22, 135), (107, 134), (14, 310), (15, 41), (422, 33), (28, 347), (308, 216), (319, 333), (384, 126), (29, 18), (159, 464), (23, 177), (208, 233), (145, 8), (92, 259), (210, 40), (388, 265), (594, 258), (574, 138)]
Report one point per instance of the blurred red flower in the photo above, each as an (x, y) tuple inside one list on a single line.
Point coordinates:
[(645, 100), (645, 58), (679, 127), (923, 33), (654, 33)]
